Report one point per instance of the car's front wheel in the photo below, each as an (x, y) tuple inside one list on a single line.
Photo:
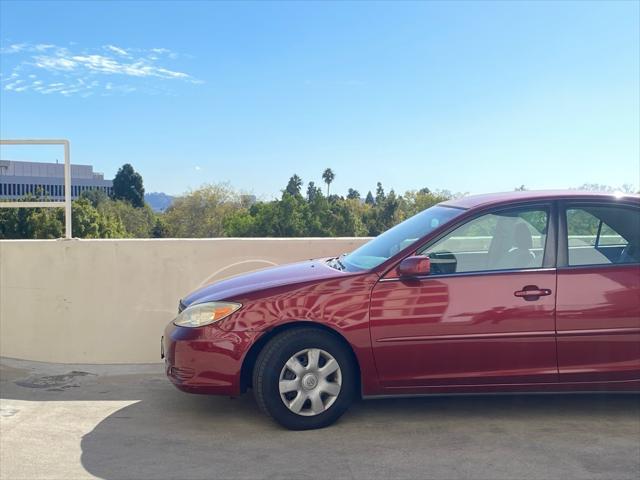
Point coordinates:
[(304, 378)]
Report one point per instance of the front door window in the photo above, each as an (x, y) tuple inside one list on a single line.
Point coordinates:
[(505, 240)]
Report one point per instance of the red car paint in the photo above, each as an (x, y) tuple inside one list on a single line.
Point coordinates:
[(474, 332)]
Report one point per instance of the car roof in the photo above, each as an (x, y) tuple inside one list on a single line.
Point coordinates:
[(473, 201)]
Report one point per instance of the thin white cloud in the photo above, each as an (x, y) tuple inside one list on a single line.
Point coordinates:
[(80, 69), (26, 47), (108, 65), (13, 85), (54, 63), (42, 47), (13, 48), (118, 50)]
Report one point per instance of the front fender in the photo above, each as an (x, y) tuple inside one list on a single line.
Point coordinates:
[(341, 305)]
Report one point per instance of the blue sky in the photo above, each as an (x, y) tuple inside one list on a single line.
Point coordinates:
[(464, 96)]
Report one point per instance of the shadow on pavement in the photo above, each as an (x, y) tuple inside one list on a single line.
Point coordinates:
[(167, 434)]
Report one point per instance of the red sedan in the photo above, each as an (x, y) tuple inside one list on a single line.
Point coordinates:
[(512, 292)]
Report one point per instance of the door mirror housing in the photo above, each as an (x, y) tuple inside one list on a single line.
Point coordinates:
[(414, 266)]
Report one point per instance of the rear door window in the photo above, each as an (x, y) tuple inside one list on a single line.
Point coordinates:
[(601, 235)]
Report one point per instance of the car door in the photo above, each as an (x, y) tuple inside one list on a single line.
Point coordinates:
[(484, 315), (598, 304)]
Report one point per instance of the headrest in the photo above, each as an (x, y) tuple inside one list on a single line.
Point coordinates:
[(522, 238)]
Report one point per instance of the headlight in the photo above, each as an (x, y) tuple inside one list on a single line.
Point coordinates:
[(205, 313)]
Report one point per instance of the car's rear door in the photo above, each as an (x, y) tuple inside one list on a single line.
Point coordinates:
[(484, 315), (598, 299)]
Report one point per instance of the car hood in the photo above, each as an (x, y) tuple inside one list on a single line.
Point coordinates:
[(235, 288)]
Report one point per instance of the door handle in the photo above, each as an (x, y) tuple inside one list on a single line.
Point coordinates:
[(532, 292)]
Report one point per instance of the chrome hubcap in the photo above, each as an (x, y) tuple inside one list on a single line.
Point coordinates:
[(310, 382)]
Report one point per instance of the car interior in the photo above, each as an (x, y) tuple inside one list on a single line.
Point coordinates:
[(492, 242), (596, 235), (603, 235)]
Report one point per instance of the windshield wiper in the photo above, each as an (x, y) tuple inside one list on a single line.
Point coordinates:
[(336, 263)]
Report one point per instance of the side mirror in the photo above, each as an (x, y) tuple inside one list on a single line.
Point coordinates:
[(415, 266)]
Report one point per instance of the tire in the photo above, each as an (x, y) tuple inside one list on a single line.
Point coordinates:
[(309, 403)]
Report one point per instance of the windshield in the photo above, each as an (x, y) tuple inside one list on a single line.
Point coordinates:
[(387, 244)]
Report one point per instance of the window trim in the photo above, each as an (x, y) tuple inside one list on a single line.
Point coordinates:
[(548, 259), (600, 223), (563, 233)]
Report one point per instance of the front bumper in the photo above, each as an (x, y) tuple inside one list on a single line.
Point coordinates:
[(205, 359)]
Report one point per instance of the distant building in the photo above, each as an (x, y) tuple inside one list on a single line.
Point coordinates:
[(18, 179)]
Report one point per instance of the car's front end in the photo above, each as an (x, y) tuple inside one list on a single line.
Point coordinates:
[(205, 346), (204, 358)]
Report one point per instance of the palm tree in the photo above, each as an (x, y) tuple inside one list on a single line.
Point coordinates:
[(294, 185), (328, 177)]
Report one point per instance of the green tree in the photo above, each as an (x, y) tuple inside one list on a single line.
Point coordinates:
[(160, 229), (353, 194), (85, 219), (95, 196), (112, 227), (318, 216), (328, 177), (379, 193), (369, 200), (136, 222), (346, 219), (203, 213), (218, 210), (263, 223), (241, 223), (128, 186), (313, 192), (42, 223), (294, 186), (291, 216), (91, 222), (417, 201), (31, 223), (390, 213), (47, 223)]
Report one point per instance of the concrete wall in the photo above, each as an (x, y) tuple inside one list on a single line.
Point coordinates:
[(108, 301)]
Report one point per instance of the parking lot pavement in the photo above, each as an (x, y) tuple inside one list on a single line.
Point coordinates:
[(127, 422)]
